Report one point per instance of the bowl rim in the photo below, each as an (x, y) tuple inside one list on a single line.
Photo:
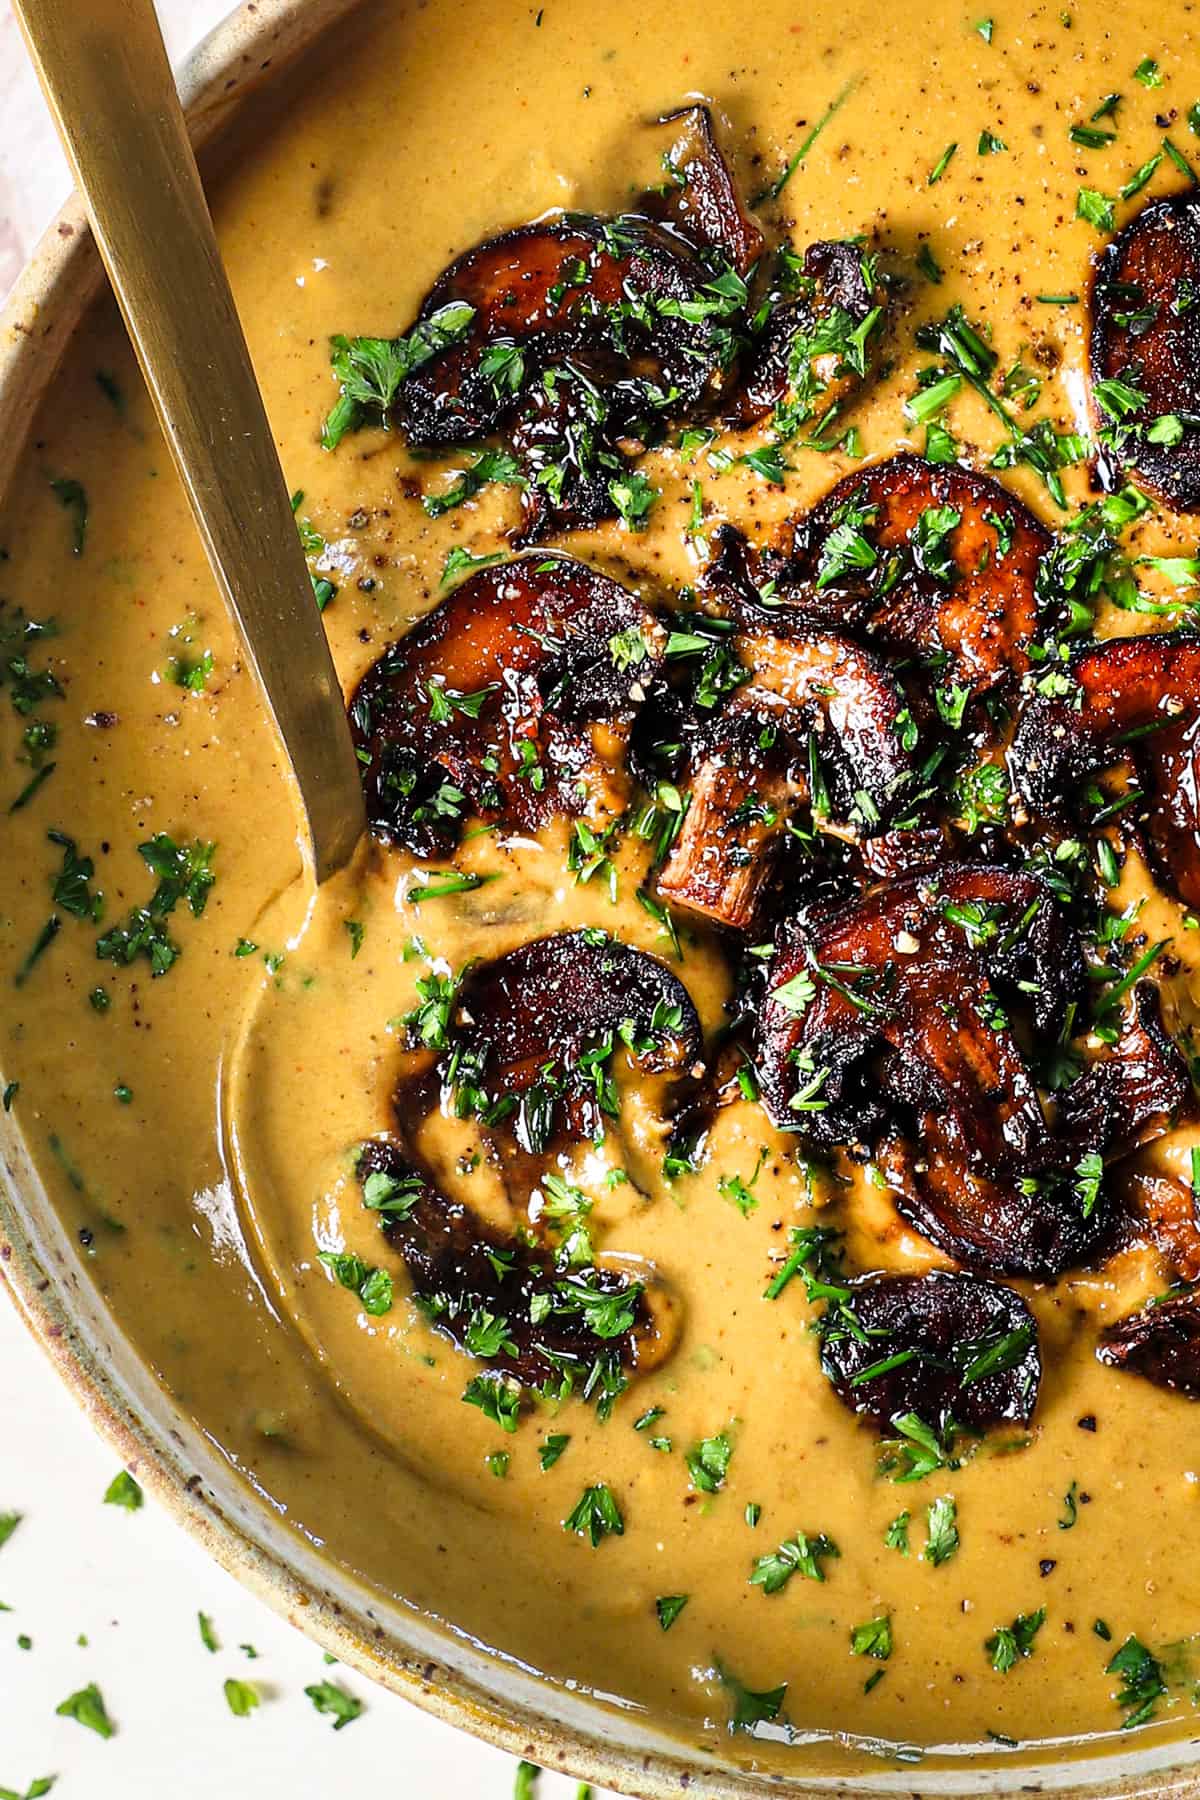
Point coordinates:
[(38, 321)]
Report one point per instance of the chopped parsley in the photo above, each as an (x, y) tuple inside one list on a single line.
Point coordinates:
[(497, 1396), (1095, 207), (773, 191), (438, 883), (1142, 1683), (595, 1515), (1010, 1643), (896, 1535), (184, 874), (124, 1491), (241, 1697), (87, 1707), (873, 1638), (374, 1287), (750, 1708), (941, 165), (668, 1607), (941, 1525), (800, 1555), (708, 1463), (551, 1448), (330, 1699), (370, 371)]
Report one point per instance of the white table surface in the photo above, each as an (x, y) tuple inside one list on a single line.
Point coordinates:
[(133, 1583)]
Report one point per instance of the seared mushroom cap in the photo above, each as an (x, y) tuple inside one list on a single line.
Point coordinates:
[(586, 335), (1145, 334), (706, 205), (885, 1024), (1133, 1095), (570, 287), (1160, 1343), (817, 711), (467, 1277), (808, 349), (738, 794), (1160, 1209), (1132, 699), (964, 1349), (528, 1052), (934, 559), (534, 1031), (508, 694)]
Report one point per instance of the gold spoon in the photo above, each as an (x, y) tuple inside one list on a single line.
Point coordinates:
[(105, 72)]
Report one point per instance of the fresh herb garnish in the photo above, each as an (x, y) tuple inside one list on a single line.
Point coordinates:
[(1010, 1643), (241, 1697), (370, 371), (708, 1463), (1142, 1683), (330, 1699), (595, 1515), (124, 1491), (668, 1607), (87, 1707), (941, 1525), (873, 1638), (777, 186), (374, 1287), (800, 1555), (749, 1708)]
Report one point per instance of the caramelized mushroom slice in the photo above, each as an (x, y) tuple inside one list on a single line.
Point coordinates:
[(1132, 699), (738, 797), (503, 1300), (569, 287), (934, 559), (1161, 1343), (815, 349), (706, 204), (819, 718), (1162, 1210), (535, 1032), (943, 1346), (1145, 338), (884, 1024), (584, 336), (1134, 1095), (529, 1053), (507, 699)]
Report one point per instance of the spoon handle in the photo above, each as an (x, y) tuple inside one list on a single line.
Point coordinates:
[(105, 72)]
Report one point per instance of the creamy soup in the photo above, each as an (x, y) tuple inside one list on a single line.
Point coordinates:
[(196, 1110)]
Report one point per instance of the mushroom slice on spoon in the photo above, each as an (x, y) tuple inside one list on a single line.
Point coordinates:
[(513, 698)]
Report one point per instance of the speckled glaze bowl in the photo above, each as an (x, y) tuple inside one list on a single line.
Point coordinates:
[(443, 1672)]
